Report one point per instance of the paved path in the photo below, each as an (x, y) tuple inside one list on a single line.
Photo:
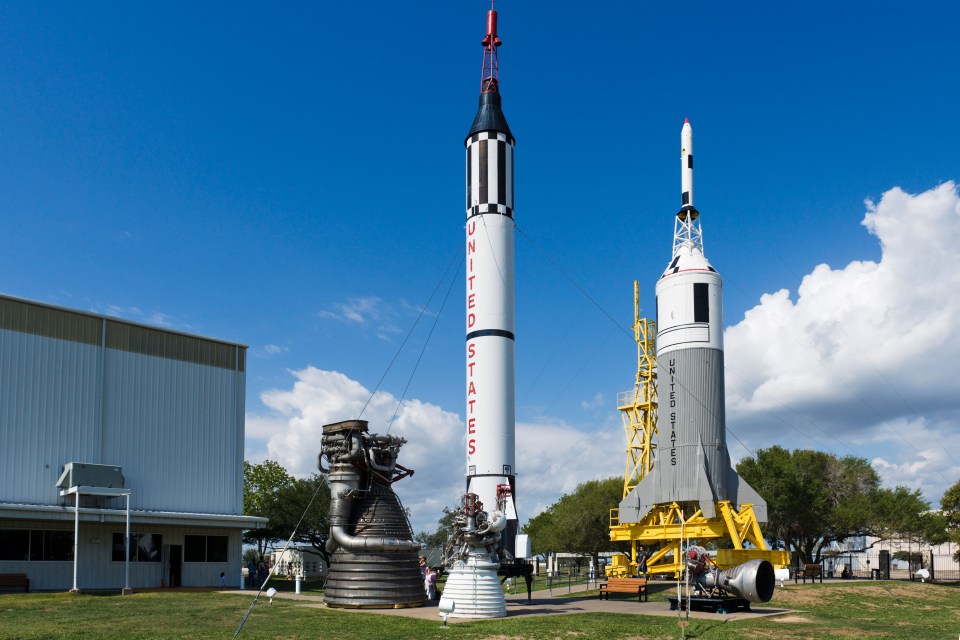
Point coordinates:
[(543, 603)]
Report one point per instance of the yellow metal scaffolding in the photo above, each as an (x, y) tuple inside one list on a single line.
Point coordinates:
[(638, 408)]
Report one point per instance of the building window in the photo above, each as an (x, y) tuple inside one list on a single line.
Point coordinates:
[(14, 544), (205, 548), (217, 548), (51, 545), (144, 547), (36, 545), (149, 546)]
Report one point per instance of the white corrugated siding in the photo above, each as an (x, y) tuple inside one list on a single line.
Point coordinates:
[(167, 407), (173, 426), (48, 413)]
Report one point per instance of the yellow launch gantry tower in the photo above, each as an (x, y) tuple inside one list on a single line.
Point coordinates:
[(638, 408), (668, 526)]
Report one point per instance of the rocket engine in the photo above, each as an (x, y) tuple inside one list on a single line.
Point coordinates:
[(753, 580), (374, 558), (473, 589)]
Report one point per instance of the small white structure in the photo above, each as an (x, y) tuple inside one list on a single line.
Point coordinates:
[(104, 420), (300, 560)]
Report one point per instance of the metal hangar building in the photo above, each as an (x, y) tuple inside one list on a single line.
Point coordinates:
[(109, 426)]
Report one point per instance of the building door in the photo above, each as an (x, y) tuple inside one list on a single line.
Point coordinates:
[(176, 565)]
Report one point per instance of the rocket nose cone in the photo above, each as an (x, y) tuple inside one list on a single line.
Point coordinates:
[(686, 121), (490, 116)]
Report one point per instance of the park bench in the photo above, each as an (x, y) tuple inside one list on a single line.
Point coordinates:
[(14, 582), (812, 571), (625, 585)]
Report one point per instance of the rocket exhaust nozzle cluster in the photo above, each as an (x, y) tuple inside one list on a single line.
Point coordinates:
[(472, 561), (374, 560)]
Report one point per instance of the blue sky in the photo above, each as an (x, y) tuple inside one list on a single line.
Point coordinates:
[(290, 176)]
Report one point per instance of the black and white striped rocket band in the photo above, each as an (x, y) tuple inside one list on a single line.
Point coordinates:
[(489, 174), (490, 208), (489, 135)]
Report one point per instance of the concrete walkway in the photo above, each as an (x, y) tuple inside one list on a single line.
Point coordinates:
[(543, 603)]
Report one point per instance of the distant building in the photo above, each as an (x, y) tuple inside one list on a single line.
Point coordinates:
[(289, 563), (108, 407), (863, 556)]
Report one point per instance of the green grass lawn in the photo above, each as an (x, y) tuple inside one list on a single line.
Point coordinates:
[(848, 610)]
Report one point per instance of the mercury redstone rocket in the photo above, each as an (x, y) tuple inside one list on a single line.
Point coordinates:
[(693, 464), (490, 339)]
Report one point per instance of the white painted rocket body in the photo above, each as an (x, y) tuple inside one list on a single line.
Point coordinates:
[(692, 462), (490, 406)]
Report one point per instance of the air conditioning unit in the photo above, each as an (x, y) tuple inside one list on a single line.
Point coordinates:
[(84, 474)]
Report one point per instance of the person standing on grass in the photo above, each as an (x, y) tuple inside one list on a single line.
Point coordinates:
[(430, 584)]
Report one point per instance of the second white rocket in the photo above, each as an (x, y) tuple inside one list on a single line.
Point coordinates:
[(693, 464)]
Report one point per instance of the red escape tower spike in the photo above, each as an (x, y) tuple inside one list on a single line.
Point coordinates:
[(490, 74)]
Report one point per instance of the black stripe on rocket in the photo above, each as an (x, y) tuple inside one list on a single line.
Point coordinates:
[(685, 198), (500, 333)]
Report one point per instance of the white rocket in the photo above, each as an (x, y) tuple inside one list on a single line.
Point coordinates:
[(490, 407), (692, 463)]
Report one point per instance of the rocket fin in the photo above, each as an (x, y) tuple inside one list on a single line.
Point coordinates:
[(742, 493), (706, 496), (664, 485), (641, 499)]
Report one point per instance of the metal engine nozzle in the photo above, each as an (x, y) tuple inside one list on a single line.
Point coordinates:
[(753, 580), (374, 556)]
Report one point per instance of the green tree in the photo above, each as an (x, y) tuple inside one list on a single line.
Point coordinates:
[(950, 505), (250, 554), (814, 499), (437, 539), (579, 522), (903, 514), (298, 506), (262, 483), (303, 505)]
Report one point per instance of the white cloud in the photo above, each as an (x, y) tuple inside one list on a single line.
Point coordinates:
[(262, 428), (434, 437), (598, 400), (272, 349), (864, 355), (558, 457), (366, 311), (136, 314)]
